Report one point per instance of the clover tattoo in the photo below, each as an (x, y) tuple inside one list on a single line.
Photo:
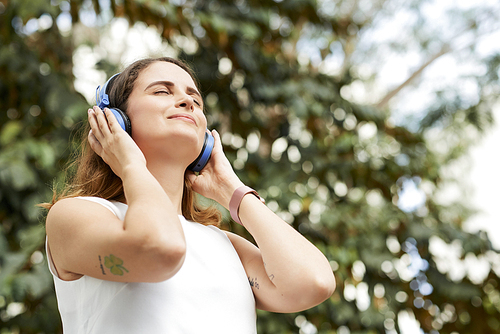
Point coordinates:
[(115, 265)]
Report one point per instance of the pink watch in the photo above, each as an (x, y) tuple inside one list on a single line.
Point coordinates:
[(234, 203)]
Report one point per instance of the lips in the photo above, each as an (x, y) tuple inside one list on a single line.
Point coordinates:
[(183, 117)]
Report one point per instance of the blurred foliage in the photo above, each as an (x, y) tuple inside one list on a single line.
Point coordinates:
[(332, 166)]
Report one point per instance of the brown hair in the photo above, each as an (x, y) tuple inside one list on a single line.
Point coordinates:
[(93, 177)]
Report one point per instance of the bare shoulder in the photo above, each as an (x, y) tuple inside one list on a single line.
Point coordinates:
[(233, 236), (69, 213), (72, 204), (238, 241), (246, 250)]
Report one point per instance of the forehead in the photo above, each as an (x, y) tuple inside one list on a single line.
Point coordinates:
[(165, 71)]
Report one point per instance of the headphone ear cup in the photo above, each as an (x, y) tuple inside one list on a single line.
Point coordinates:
[(204, 156), (123, 120)]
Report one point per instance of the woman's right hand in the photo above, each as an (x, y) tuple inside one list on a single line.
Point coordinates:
[(111, 142)]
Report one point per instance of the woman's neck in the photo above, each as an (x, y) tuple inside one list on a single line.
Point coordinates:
[(171, 178)]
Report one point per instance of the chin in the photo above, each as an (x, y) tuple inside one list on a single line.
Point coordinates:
[(180, 143)]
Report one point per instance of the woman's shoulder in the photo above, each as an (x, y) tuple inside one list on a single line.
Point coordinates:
[(74, 209), (87, 204)]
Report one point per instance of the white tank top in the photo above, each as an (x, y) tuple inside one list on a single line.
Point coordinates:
[(209, 294)]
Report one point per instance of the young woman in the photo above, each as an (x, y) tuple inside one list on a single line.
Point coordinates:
[(130, 249)]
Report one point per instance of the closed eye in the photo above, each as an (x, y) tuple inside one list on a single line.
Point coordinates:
[(161, 92)]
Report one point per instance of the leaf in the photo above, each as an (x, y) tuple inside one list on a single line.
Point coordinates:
[(108, 262), (10, 131), (116, 271), (116, 261)]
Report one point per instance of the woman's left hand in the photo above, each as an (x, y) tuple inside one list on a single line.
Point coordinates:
[(217, 180)]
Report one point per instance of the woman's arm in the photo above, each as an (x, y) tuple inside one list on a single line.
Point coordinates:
[(85, 238), (286, 271)]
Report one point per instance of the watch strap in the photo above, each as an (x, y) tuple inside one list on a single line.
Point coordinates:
[(234, 203)]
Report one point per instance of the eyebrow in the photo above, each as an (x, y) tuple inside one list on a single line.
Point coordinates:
[(190, 90)]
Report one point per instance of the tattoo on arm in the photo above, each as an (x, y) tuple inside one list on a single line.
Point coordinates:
[(100, 265), (271, 277), (114, 264), (253, 282)]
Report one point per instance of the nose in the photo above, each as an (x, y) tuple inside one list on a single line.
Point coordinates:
[(185, 101)]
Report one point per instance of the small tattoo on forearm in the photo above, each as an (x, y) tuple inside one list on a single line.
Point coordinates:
[(100, 264), (114, 264), (253, 282), (271, 277)]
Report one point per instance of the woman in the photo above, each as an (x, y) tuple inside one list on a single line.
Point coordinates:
[(130, 249)]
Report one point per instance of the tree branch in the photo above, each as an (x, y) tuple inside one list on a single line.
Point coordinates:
[(445, 49)]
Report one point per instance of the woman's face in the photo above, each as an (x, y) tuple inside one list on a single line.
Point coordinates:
[(166, 112)]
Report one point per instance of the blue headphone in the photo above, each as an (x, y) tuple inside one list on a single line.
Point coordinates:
[(102, 101)]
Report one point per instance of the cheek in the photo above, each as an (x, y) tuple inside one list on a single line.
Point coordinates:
[(203, 119), (147, 116), (202, 128), (145, 122), (146, 127)]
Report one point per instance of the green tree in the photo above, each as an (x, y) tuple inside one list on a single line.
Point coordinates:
[(282, 82)]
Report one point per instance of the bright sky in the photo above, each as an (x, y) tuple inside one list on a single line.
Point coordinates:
[(485, 180)]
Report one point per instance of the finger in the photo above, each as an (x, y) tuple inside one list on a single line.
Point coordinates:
[(112, 121), (217, 140), (95, 145), (191, 176), (96, 131), (102, 121)]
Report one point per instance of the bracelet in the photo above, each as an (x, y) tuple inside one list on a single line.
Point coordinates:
[(234, 203)]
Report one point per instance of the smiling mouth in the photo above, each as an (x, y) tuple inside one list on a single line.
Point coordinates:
[(184, 118)]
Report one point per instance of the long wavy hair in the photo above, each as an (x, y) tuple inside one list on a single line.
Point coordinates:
[(88, 175)]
